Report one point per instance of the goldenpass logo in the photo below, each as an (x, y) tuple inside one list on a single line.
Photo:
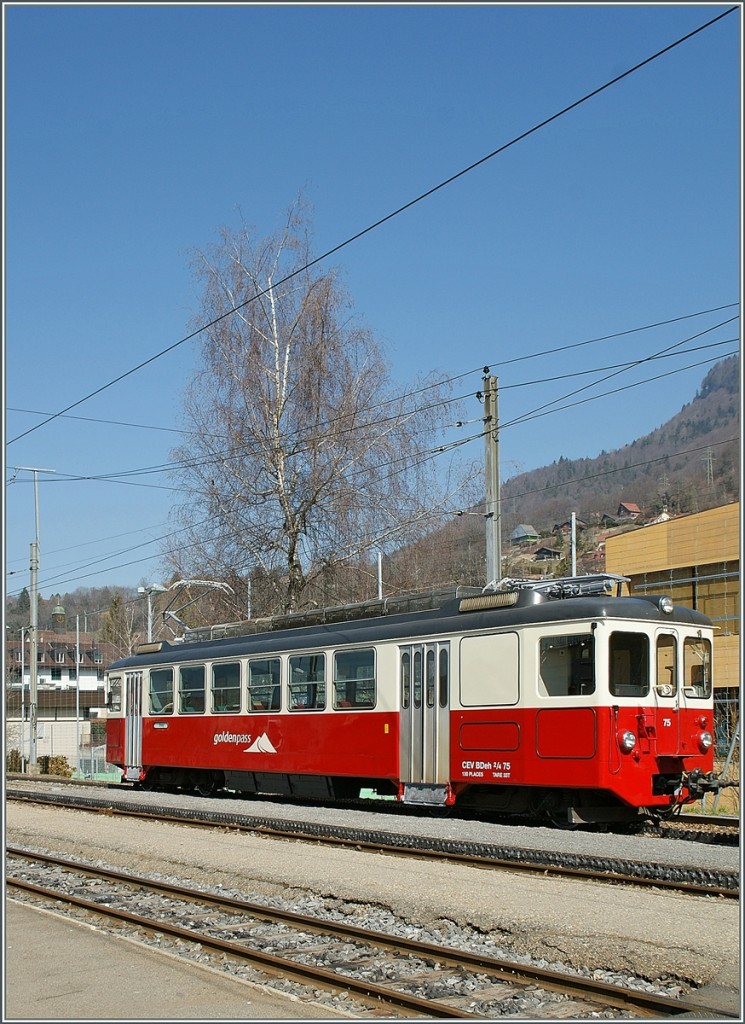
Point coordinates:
[(232, 737)]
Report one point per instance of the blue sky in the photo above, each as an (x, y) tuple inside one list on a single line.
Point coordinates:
[(132, 133)]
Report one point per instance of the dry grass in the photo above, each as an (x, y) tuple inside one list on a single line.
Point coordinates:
[(729, 799)]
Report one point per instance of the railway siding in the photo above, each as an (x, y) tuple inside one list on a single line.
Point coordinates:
[(578, 923), (609, 865), (436, 979)]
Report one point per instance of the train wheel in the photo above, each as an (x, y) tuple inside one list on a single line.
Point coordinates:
[(557, 810), (560, 819), (205, 788)]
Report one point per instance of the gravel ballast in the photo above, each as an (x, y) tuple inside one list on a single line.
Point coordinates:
[(585, 925)]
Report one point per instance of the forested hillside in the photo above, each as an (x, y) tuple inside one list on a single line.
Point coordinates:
[(690, 463)]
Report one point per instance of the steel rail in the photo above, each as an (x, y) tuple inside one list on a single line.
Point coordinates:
[(532, 866), (268, 962), (726, 822), (516, 973)]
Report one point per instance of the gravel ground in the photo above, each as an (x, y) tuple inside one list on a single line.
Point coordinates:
[(657, 935), (633, 848)]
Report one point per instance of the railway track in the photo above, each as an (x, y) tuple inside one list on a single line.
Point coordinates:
[(381, 970), (698, 828), (716, 829), (689, 879)]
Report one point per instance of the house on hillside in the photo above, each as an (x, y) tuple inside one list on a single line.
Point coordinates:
[(566, 527), (663, 517), (524, 534), (628, 510), (547, 554)]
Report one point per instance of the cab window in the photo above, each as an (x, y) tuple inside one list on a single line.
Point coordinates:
[(567, 665), (697, 667), (666, 682), (628, 666)]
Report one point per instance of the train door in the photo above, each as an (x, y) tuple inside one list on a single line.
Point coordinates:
[(425, 722), (667, 692), (132, 726)]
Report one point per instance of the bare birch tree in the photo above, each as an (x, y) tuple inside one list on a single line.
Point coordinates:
[(118, 626), (300, 458)]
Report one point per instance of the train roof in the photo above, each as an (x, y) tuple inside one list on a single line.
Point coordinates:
[(510, 603)]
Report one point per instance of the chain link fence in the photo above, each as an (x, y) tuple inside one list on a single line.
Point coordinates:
[(70, 738)]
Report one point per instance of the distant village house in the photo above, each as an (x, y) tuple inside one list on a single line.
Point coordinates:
[(524, 534)]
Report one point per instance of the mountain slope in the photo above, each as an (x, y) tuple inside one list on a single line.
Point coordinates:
[(690, 463)]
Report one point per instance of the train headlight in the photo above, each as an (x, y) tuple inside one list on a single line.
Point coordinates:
[(666, 605), (705, 740), (627, 740)]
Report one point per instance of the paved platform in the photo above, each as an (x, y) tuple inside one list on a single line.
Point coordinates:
[(58, 969)]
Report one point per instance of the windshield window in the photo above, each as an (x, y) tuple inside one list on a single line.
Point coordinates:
[(629, 664), (697, 667)]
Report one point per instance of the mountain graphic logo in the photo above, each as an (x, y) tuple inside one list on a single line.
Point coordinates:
[(261, 745)]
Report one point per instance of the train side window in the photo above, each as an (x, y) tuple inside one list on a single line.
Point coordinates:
[(307, 682), (417, 680), (430, 679), (567, 665), (114, 703), (354, 679), (697, 667), (226, 687), (263, 684), (628, 666), (405, 679), (666, 680), (161, 691), (191, 690), (443, 678)]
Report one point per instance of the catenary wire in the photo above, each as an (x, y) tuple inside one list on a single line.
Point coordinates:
[(439, 450), (432, 453), (635, 363), (496, 363), (245, 451), (383, 220), (60, 580)]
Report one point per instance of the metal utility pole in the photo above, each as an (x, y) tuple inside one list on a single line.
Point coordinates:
[(23, 698), (150, 589), (34, 659), (77, 694), (493, 500), (34, 625)]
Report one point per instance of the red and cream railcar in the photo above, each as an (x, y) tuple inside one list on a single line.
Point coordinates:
[(560, 699)]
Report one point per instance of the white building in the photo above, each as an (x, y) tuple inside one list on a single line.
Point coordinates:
[(71, 693)]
